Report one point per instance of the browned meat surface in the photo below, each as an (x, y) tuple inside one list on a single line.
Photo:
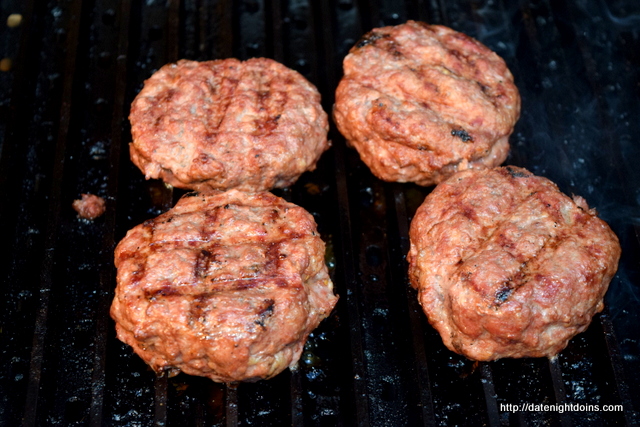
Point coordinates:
[(223, 124), (89, 207), (420, 102), (224, 285), (508, 266)]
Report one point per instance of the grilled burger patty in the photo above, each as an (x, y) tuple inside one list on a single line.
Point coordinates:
[(252, 125), (508, 266), (420, 102), (225, 285)]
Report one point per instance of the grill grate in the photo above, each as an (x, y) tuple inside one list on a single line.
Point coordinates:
[(376, 360)]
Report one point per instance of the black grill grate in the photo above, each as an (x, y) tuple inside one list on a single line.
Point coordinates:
[(77, 66)]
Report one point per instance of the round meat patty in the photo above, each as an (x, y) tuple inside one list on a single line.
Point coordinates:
[(420, 102), (508, 266), (224, 285), (252, 125)]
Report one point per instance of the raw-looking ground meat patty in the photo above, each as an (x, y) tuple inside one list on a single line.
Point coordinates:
[(508, 266), (420, 102), (252, 125), (224, 285)]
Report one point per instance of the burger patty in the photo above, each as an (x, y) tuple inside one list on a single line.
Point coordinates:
[(420, 102), (252, 125), (226, 285), (508, 266)]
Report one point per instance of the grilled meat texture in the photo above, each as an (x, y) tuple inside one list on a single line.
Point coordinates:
[(252, 125), (508, 266), (89, 206), (224, 285), (420, 102)]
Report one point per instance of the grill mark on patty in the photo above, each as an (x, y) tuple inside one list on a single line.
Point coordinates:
[(211, 218), (512, 284), (166, 290), (520, 277), (265, 312), (271, 105), (170, 290), (453, 207), (165, 245), (274, 257), (148, 231), (226, 101), (197, 312), (201, 265), (270, 250)]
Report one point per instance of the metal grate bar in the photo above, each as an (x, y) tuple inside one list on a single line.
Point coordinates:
[(160, 401), (276, 31), (297, 407), (106, 272), (415, 316), (173, 31), (559, 389), (348, 289), (616, 364), (351, 287), (490, 394), (46, 284), (231, 405)]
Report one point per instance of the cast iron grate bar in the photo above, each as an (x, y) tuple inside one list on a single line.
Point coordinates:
[(346, 253), (231, 405), (276, 33), (415, 316), (173, 31), (53, 223), (297, 407), (351, 286), (559, 390), (160, 410), (490, 395), (106, 271), (616, 364)]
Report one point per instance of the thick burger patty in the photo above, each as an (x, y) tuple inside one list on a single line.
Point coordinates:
[(223, 124), (508, 266), (224, 285), (420, 102)]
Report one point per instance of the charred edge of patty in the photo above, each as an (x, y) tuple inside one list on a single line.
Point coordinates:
[(517, 172), (369, 38)]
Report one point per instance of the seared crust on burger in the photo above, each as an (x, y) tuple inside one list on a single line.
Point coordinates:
[(224, 285), (508, 266), (420, 102), (252, 125)]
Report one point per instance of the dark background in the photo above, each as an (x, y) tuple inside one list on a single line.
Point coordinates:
[(77, 65)]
